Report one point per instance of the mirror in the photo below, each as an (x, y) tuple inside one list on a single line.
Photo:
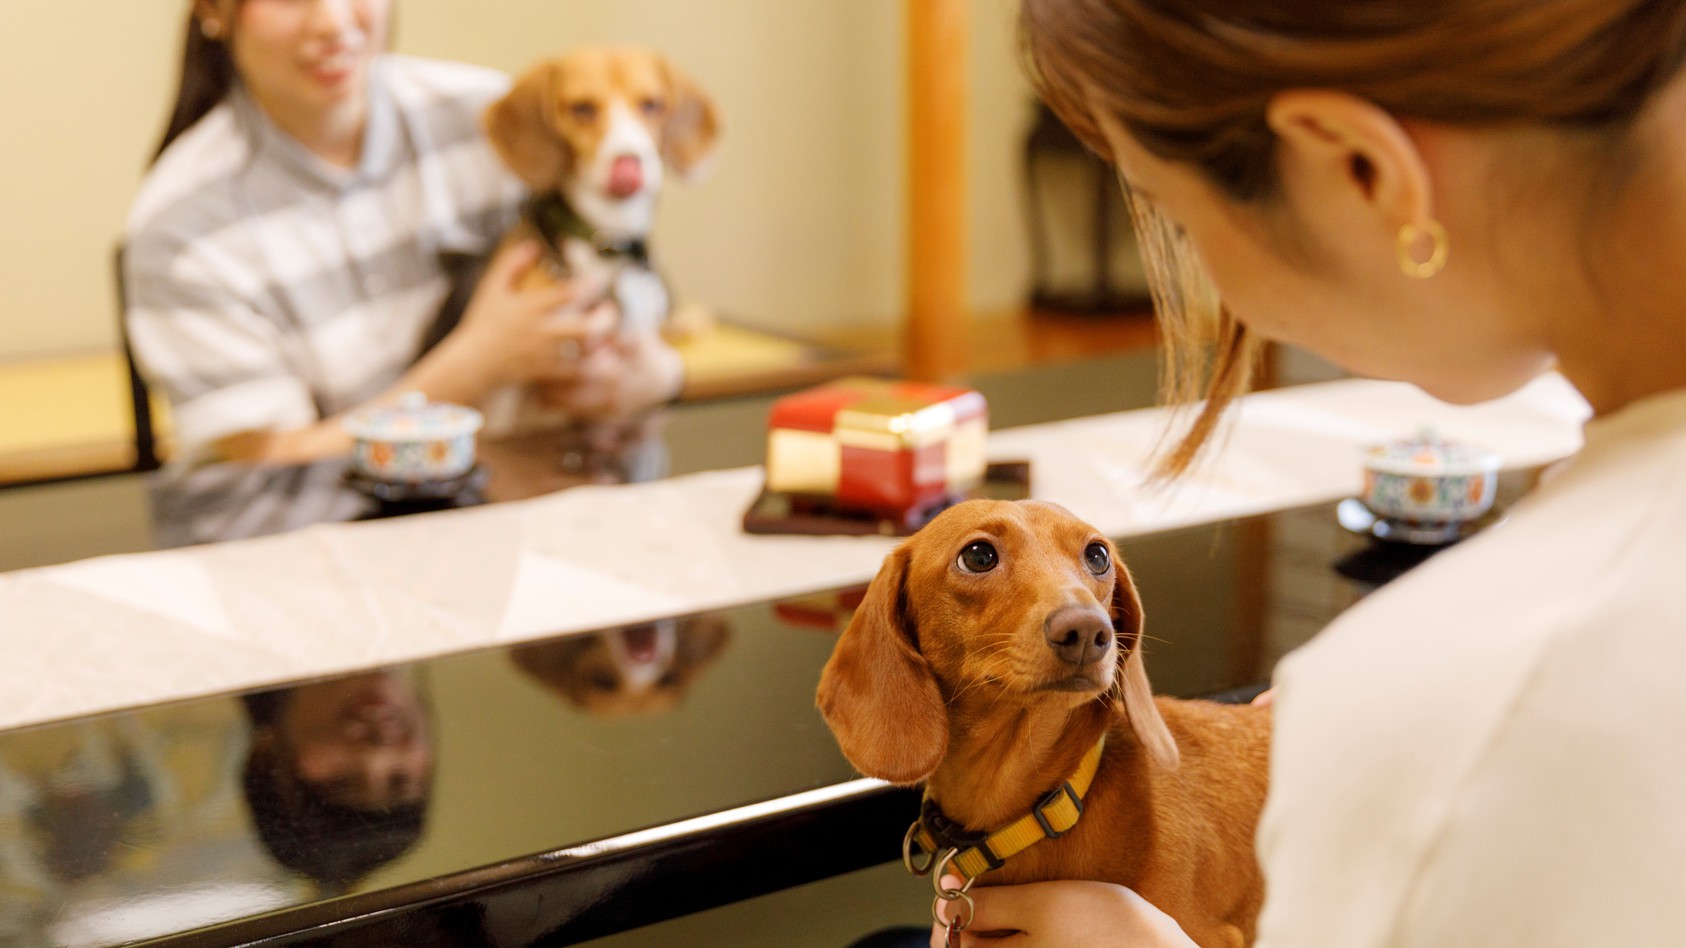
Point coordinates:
[(797, 233)]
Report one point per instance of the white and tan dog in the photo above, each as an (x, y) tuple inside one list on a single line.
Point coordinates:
[(593, 134)]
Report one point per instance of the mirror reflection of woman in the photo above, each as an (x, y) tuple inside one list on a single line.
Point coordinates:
[(340, 773), (289, 252)]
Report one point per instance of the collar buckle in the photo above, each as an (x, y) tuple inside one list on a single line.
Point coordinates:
[(1064, 790)]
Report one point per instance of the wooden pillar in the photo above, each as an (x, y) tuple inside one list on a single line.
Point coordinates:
[(936, 342)]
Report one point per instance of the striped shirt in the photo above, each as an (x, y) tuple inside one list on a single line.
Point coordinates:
[(267, 289)]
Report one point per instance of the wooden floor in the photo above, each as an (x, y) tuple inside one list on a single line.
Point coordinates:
[(71, 416)]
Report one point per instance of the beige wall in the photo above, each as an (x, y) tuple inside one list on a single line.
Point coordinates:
[(799, 228)]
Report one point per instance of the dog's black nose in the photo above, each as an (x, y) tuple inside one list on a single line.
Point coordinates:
[(1078, 634)]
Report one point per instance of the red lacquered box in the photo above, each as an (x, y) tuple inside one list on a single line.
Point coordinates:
[(875, 446)]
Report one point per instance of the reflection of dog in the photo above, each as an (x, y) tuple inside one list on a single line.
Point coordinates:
[(998, 653), (590, 133), (636, 670)]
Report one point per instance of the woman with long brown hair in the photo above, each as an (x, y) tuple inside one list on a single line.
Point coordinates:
[(291, 253), (1460, 194)]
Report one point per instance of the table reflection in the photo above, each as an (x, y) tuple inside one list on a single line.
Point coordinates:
[(128, 827), (235, 501), (125, 827), (161, 820)]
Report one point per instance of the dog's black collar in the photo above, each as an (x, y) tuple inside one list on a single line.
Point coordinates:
[(555, 219), (947, 832)]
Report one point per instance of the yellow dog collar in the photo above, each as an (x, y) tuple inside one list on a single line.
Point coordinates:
[(941, 840)]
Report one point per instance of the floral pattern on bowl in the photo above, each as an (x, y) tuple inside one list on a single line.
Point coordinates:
[(413, 440), (1428, 480)]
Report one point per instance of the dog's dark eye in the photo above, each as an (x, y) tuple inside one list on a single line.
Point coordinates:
[(1097, 558), (583, 111), (650, 106), (978, 557)]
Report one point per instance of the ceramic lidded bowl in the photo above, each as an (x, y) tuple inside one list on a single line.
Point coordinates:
[(413, 440), (1429, 481)]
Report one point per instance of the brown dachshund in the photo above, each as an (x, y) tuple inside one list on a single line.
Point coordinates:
[(993, 651)]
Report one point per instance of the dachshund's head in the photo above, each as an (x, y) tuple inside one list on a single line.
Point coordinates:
[(993, 605)]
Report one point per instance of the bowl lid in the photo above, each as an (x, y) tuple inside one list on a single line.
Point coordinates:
[(1428, 453), (413, 418)]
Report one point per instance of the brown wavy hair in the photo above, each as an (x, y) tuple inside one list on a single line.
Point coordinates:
[(1191, 80)]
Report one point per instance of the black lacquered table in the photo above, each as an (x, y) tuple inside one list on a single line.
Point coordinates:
[(558, 791)]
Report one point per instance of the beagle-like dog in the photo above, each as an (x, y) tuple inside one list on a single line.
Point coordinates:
[(997, 657), (642, 669), (593, 134)]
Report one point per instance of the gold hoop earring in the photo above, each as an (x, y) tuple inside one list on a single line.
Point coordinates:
[(210, 29), (1408, 236)]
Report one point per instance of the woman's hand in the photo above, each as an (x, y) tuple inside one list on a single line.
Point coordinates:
[(617, 377), (512, 332), (1061, 915)]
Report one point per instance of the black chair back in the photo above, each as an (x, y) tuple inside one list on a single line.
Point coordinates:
[(140, 400)]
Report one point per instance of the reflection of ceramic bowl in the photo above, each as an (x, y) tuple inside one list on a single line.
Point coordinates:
[(414, 440), (1425, 480)]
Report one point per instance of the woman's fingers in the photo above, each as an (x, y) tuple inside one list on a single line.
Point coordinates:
[(993, 909), (509, 267), (548, 298), (1057, 914), (588, 328), (511, 263)]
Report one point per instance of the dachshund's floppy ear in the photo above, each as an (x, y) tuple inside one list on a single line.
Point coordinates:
[(1131, 679), (693, 123), (877, 692), (519, 127)]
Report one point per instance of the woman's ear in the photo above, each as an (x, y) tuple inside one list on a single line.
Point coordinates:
[(877, 692), (214, 10), (1131, 681), (693, 124), (519, 128), (1335, 148)]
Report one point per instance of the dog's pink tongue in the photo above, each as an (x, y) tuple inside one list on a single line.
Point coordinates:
[(640, 642), (626, 176)]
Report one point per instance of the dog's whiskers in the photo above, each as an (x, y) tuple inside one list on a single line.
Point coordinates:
[(989, 674)]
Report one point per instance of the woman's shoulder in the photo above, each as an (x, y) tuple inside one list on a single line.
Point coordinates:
[(187, 178), (1388, 725), (419, 81)]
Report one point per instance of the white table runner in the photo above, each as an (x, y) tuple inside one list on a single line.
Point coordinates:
[(120, 631)]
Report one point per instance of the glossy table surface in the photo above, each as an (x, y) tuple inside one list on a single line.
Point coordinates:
[(556, 791)]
